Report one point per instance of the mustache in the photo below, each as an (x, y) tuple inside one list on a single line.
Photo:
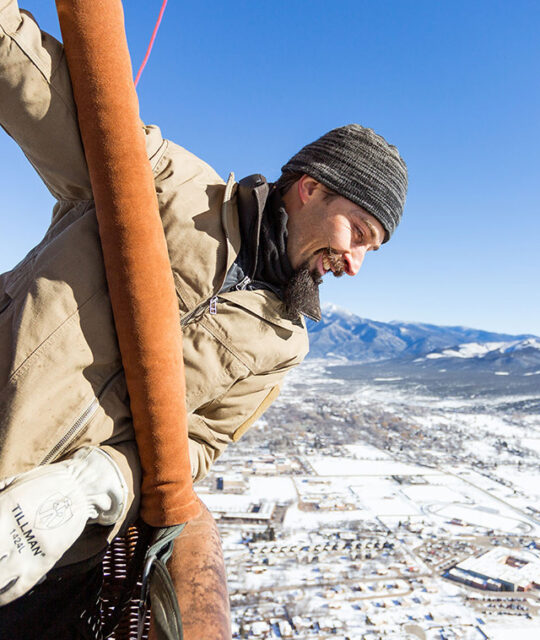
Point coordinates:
[(335, 261)]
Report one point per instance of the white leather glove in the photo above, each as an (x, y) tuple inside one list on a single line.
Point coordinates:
[(44, 511)]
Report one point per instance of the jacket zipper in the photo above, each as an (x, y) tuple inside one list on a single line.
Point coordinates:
[(212, 302), (79, 424), (209, 303), (199, 309), (239, 286)]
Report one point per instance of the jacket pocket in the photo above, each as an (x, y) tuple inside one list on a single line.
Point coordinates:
[(274, 393), (79, 425)]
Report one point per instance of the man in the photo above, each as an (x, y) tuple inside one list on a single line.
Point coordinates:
[(247, 260)]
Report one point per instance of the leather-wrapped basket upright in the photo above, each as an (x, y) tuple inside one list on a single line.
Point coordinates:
[(139, 276)]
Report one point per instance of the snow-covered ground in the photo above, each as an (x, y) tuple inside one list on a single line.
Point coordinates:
[(326, 466), (361, 531)]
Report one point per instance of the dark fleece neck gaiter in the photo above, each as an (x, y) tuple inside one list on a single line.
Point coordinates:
[(263, 254), (263, 257)]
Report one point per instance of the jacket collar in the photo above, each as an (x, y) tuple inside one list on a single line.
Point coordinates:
[(231, 225)]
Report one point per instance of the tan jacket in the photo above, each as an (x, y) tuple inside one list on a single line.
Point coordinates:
[(61, 380)]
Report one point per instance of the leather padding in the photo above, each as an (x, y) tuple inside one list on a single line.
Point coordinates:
[(138, 271)]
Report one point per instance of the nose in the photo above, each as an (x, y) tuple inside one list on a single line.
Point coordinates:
[(354, 259)]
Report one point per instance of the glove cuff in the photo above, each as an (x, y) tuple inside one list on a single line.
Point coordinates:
[(102, 482)]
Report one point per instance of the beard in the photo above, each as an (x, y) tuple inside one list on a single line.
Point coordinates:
[(301, 295)]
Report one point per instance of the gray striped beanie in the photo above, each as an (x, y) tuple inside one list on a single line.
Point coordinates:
[(360, 165)]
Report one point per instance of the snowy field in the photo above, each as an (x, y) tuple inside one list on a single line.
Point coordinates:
[(488, 519), (531, 443), (512, 632), (327, 466), (527, 481), (367, 452), (432, 493), (280, 488), (313, 520)]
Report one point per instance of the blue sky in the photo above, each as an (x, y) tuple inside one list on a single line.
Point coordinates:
[(453, 84)]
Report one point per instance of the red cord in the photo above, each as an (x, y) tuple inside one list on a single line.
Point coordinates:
[(154, 33)]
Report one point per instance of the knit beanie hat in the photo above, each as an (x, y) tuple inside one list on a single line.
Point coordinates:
[(360, 165)]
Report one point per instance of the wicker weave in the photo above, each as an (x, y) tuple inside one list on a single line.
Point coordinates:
[(115, 569)]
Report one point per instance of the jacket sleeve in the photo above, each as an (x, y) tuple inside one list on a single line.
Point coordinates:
[(228, 417), (36, 104)]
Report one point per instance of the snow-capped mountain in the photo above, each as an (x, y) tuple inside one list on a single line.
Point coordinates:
[(343, 335), (499, 357)]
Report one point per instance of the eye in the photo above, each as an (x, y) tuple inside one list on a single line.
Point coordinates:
[(359, 234)]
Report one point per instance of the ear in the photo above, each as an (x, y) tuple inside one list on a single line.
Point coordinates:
[(306, 188)]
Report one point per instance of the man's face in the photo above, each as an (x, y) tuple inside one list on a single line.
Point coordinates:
[(328, 232)]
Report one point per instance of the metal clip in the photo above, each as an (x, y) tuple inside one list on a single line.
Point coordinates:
[(243, 283), (213, 305)]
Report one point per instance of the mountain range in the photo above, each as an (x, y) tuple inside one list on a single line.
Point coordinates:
[(342, 335)]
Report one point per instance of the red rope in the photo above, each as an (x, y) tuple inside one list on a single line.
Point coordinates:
[(154, 33)]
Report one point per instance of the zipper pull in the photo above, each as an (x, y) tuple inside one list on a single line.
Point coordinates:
[(213, 305), (243, 283)]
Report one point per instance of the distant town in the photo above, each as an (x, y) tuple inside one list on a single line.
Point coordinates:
[(354, 512)]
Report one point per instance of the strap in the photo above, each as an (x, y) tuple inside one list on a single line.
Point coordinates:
[(157, 584), (165, 611)]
